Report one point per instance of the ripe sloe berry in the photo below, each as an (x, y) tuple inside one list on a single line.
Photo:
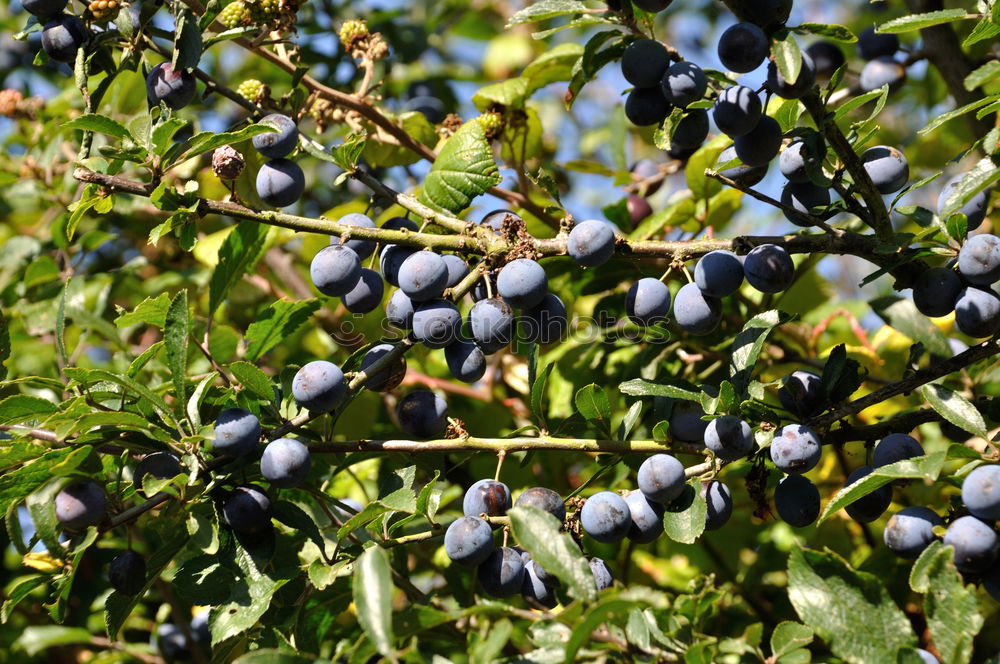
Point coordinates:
[(285, 463), (605, 517), (44, 8), (684, 83), (81, 504), (872, 45), (172, 643), (742, 47), (887, 167), (883, 70), (769, 268), (644, 62), (797, 159), (465, 361), (685, 423), (871, 506), (647, 301), (492, 324), (974, 210), (803, 197), (319, 386), (422, 414), (696, 312), (423, 276), (719, 273), (646, 518), (741, 173), (646, 106), (174, 88), (827, 58), (979, 259), (602, 575), (468, 541), (522, 283), (975, 544), (761, 144), (719, 501), (237, 432), (275, 145), (936, 290), (895, 447), (546, 322), (127, 573), (652, 6), (366, 294), (391, 259), (661, 478), (729, 437), (496, 218), (388, 378), (796, 500), (437, 323), (591, 243), (910, 530), (801, 393), (486, 497), (782, 88), (795, 449), (502, 574), (399, 310), (544, 499), (159, 465), (457, 269), (280, 183), (691, 131), (737, 110), (63, 36), (534, 590), (981, 492), (248, 510), (363, 248), (977, 312)]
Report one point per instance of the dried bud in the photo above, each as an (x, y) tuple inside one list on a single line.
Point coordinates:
[(227, 162), (9, 101)]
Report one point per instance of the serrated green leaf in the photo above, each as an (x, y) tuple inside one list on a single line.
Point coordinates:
[(239, 252), (545, 9), (950, 606), (373, 598), (919, 21), (951, 115), (19, 408), (788, 637), (702, 186), (464, 169), (747, 345), (253, 379), (979, 177), (592, 403), (100, 124), (901, 314), (541, 535), (982, 75), (675, 389), (684, 519), (538, 394), (955, 408), (835, 32), (276, 324), (787, 56), (175, 338), (187, 39), (850, 610)]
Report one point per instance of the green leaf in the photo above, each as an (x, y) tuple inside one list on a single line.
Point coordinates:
[(859, 101), (835, 32), (86, 376), (36, 639), (17, 484), (982, 75), (675, 389), (206, 141), (151, 311), (787, 56), (4, 345), (41, 506), (957, 226), (464, 169), (951, 115), (276, 324), (253, 379), (99, 124), (788, 637), (702, 186), (19, 408), (592, 403), (747, 345), (985, 29), (955, 408), (545, 9), (901, 314), (538, 394), (919, 21), (187, 39), (239, 252), (978, 178), (175, 338), (950, 606), (684, 519), (841, 375), (541, 535), (274, 656), (926, 467), (373, 598), (19, 590), (850, 610)]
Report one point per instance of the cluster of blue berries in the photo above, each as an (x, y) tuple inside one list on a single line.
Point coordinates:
[(280, 181)]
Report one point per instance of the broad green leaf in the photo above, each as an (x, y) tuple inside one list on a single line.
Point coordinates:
[(859, 101), (545, 9), (835, 32), (950, 606), (702, 186), (204, 580), (464, 169), (276, 324), (14, 453), (15, 485), (100, 124), (175, 338), (274, 656), (985, 29), (850, 610), (955, 408), (611, 607), (919, 21), (983, 75), (981, 176), (541, 535), (901, 314), (187, 39), (252, 595), (787, 56), (841, 376), (41, 506), (239, 253), (373, 598), (951, 115), (684, 519), (19, 408), (87, 376), (19, 590), (253, 379), (592, 403), (747, 345), (39, 638), (789, 636), (553, 65), (926, 467), (640, 387), (957, 226), (538, 394)]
